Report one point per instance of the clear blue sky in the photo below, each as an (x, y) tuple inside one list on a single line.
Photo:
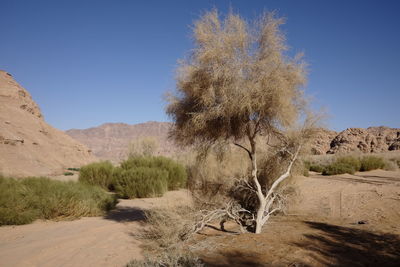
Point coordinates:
[(90, 62)]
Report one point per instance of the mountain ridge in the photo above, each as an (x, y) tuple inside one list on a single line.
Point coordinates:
[(110, 141)]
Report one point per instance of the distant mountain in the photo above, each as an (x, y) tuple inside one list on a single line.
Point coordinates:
[(110, 141), (28, 145)]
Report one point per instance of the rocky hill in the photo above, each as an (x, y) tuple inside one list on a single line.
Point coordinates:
[(370, 140), (28, 145), (111, 141)]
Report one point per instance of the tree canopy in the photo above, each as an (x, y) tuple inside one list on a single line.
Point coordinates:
[(237, 81)]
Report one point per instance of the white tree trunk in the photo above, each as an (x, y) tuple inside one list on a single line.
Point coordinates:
[(264, 210), (265, 201)]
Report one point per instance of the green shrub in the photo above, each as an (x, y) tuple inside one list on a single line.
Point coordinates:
[(68, 173), (141, 182), (25, 200), (176, 173), (317, 168), (338, 168), (98, 173), (347, 164), (369, 163), (351, 161)]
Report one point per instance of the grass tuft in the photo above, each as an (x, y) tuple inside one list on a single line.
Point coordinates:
[(23, 201)]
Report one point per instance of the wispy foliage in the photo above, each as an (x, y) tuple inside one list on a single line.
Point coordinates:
[(236, 82)]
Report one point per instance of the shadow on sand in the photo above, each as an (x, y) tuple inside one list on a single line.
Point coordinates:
[(234, 258), (126, 214), (344, 246), (324, 245)]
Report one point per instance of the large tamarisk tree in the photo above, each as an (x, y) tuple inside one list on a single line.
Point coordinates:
[(239, 84)]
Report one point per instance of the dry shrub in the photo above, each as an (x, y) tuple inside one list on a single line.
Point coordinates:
[(165, 235), (182, 258), (211, 177), (391, 165), (143, 146), (168, 227)]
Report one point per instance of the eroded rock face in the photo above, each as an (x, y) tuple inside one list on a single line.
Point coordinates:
[(370, 140), (28, 145), (321, 143)]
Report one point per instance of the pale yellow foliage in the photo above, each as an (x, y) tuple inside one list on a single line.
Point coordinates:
[(237, 81)]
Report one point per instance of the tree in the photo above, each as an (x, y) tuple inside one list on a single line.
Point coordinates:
[(238, 85)]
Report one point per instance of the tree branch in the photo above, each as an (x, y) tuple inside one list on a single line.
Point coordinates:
[(247, 150), (283, 176)]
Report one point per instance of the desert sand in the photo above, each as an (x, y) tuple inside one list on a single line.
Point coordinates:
[(94, 241), (343, 220)]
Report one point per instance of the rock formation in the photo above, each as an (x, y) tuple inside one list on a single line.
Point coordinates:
[(28, 145), (321, 142), (370, 140)]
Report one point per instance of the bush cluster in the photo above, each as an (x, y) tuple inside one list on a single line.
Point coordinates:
[(176, 173), (137, 177), (369, 163), (24, 200), (98, 173), (140, 182), (349, 164)]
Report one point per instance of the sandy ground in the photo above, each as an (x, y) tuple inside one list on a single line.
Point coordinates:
[(344, 220), (94, 241), (322, 228)]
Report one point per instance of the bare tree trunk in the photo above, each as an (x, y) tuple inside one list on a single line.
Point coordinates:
[(265, 201), (264, 210), (260, 195)]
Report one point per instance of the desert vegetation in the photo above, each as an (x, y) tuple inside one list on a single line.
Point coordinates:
[(333, 165), (141, 182), (144, 146), (98, 173), (138, 176), (24, 200)]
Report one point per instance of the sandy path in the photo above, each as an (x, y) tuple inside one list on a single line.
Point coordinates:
[(94, 241)]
